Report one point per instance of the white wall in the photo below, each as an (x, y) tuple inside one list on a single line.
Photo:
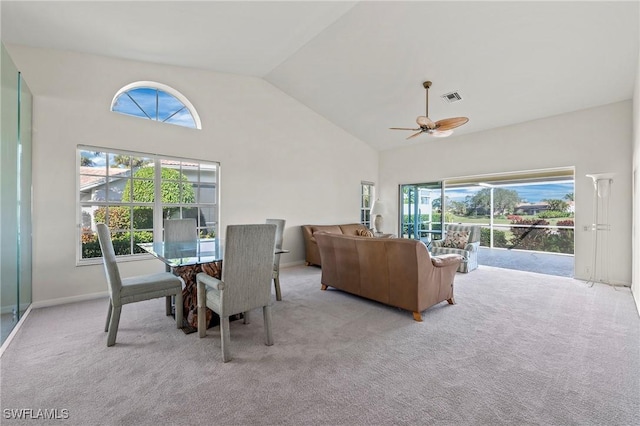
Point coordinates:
[(635, 285), (593, 141), (278, 158)]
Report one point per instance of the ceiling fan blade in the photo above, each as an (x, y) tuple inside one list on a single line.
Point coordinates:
[(404, 128), (450, 123), (443, 134), (414, 135), (425, 122)]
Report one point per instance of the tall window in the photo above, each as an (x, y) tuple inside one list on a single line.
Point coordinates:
[(157, 102), (134, 192), (366, 199)]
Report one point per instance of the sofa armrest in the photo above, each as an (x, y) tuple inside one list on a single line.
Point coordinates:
[(473, 246), (446, 260)]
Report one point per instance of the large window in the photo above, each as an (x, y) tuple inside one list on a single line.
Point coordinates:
[(134, 192), (366, 199)]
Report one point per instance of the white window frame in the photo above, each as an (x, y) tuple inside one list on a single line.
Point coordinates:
[(157, 205), (365, 211), (163, 87)]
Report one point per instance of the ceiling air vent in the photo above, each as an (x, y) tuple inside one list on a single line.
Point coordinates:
[(451, 97)]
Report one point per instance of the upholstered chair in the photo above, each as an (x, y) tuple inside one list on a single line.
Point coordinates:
[(276, 258), (454, 241), (133, 289), (178, 231), (247, 271)]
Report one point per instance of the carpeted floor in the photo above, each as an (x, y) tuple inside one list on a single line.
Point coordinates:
[(517, 349)]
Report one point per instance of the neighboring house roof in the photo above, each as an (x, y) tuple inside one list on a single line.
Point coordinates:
[(540, 205), (91, 177)]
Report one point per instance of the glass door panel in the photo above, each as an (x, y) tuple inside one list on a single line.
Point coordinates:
[(420, 211), (24, 197)]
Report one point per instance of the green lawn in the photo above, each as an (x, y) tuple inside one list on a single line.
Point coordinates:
[(501, 221)]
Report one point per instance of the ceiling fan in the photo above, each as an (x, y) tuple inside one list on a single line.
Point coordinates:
[(440, 128)]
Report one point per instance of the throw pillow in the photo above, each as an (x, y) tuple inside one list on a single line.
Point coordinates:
[(364, 232), (456, 239)]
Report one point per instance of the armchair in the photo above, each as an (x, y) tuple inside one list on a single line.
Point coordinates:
[(453, 242)]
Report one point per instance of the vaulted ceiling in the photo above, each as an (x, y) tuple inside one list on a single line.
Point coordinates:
[(361, 64)]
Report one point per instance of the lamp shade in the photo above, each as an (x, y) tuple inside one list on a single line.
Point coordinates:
[(377, 208)]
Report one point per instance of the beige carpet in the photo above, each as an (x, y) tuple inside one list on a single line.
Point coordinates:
[(517, 349)]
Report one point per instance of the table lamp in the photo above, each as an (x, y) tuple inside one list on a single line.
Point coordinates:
[(377, 210)]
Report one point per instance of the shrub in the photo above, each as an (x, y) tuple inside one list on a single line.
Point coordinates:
[(499, 238), (529, 236), (121, 244), (549, 214), (562, 240)]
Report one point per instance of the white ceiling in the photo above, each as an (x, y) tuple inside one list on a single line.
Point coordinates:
[(362, 64)]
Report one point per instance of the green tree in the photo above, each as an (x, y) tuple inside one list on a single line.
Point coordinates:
[(557, 205), (458, 208), (86, 161), (569, 196), (127, 161), (175, 187), (504, 201)]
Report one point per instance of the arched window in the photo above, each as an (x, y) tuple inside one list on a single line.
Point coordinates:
[(156, 101)]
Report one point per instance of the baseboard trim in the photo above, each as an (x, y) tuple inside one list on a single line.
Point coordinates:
[(292, 264), (71, 299), (9, 338)]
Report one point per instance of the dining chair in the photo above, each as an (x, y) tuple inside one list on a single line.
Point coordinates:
[(247, 270), (276, 258), (180, 230), (133, 289)]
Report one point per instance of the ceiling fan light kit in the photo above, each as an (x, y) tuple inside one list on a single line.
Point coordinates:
[(440, 129)]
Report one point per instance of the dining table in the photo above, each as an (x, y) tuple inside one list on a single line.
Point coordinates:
[(186, 260)]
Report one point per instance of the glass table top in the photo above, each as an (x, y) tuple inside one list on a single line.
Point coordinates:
[(204, 250), (186, 253)]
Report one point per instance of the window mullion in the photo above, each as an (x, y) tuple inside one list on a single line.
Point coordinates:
[(157, 201)]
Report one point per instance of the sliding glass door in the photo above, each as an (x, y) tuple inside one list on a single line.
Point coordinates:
[(420, 210)]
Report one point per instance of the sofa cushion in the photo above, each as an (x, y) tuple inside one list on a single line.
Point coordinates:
[(364, 233), (456, 239), (330, 229), (352, 228)]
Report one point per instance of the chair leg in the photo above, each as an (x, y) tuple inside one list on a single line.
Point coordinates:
[(276, 284), (225, 339), (113, 325), (202, 311), (247, 317), (168, 306), (266, 312), (179, 309), (202, 321), (106, 326)]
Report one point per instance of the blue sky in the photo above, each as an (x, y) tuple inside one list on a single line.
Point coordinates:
[(530, 193), (146, 98)]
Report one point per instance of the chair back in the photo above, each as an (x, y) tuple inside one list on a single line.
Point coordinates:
[(247, 268), (279, 230), (180, 230), (109, 260), (474, 231)]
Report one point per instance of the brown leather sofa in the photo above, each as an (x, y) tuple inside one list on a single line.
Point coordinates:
[(312, 255), (394, 271)]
